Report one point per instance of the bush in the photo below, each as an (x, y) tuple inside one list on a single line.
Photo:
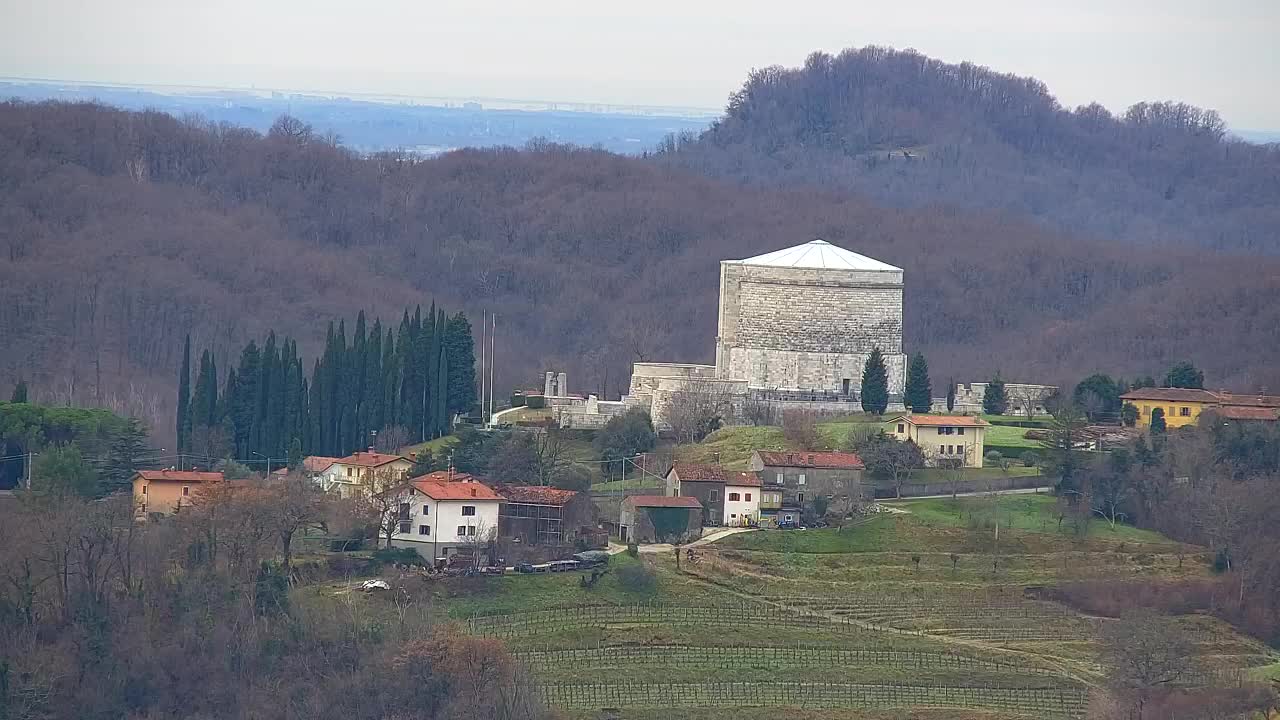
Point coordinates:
[(398, 556), (994, 457), (637, 579), (633, 549), (1030, 458)]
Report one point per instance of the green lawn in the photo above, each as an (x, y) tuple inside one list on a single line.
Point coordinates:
[(1020, 512), (437, 446), (935, 475), (1009, 437), (732, 446)]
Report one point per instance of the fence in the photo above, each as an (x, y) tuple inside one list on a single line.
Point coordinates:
[(749, 657), (1034, 702), (737, 615)]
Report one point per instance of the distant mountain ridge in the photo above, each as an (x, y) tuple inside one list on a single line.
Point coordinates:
[(911, 130)]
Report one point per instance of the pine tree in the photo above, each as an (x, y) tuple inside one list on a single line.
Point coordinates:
[(918, 394), (994, 401), (19, 392), (184, 399), (951, 394), (122, 458), (875, 384), (460, 350)]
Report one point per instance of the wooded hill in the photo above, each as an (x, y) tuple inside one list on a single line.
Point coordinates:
[(911, 130), (121, 232)]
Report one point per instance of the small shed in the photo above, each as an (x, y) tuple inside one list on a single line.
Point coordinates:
[(660, 518)]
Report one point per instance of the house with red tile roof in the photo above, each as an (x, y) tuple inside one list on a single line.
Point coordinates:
[(1183, 406), (801, 486), (540, 515), (727, 497), (168, 491), (439, 519), (660, 518), (943, 438), (345, 475)]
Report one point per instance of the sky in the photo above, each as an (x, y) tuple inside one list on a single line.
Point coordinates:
[(690, 53)]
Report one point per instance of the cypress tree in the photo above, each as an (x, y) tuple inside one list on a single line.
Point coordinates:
[(951, 394), (204, 402), (460, 350), (244, 406), (404, 371), (442, 399), (315, 408), (359, 359), (19, 392), (372, 402), (875, 384), (918, 395), (390, 381), (184, 399)]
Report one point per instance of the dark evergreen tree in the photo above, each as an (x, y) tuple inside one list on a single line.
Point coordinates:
[(875, 384), (390, 381), (1158, 424), (184, 399), (951, 394), (1184, 375), (460, 350), (19, 392), (244, 405), (1099, 396), (122, 458), (443, 421), (204, 401), (371, 381), (918, 395), (994, 401), (404, 373)]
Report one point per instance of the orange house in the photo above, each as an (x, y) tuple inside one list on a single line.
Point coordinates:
[(166, 491)]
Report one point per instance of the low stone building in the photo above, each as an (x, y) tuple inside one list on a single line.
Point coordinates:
[(943, 438), (539, 515), (791, 480), (1020, 399), (660, 518), (704, 482)]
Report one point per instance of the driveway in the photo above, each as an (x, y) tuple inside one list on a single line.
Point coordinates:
[(706, 539)]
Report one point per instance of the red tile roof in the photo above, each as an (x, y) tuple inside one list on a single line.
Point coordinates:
[(1171, 395), (846, 461), (1271, 401), (943, 420), (455, 490), (535, 494), (693, 472), (369, 459), (450, 476), (317, 463), (742, 479), (682, 501), (186, 476), (1238, 412)]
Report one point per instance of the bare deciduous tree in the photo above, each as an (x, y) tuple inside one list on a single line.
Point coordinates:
[(698, 409), (1145, 651)]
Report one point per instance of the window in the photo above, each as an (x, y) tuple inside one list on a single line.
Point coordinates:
[(348, 472), (404, 527), (778, 480), (462, 531), (940, 431), (959, 431), (186, 491), (468, 510), (426, 509), (748, 497), (902, 428), (1184, 411), (144, 489), (733, 497), (713, 495), (424, 529), (800, 498), (733, 516), (960, 450), (801, 480), (942, 449), (471, 530)]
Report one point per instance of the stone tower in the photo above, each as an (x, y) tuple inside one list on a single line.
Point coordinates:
[(807, 318)]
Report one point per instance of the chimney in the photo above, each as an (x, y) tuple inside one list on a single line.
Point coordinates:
[(473, 492), (370, 449)]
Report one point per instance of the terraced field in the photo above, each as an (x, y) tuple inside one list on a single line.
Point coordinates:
[(911, 615)]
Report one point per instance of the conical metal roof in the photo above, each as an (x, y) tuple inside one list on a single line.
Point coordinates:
[(819, 254)]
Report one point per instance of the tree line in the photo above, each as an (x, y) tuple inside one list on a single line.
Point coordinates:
[(387, 386)]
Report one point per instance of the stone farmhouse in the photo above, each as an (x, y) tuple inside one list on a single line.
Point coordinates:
[(943, 438), (727, 497), (795, 329), (791, 480)]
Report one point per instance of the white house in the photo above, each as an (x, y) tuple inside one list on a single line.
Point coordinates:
[(344, 475), (741, 499), (943, 438), (439, 519)]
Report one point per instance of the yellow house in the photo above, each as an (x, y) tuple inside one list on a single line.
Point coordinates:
[(166, 491), (1181, 406), (943, 437)]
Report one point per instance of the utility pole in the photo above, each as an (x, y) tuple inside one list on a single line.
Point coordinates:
[(484, 328), (493, 330), (30, 459)]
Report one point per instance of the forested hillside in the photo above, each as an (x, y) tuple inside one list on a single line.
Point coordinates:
[(121, 232), (911, 130)]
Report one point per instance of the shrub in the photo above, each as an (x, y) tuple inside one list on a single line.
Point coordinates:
[(633, 549), (637, 579), (1030, 458), (994, 457), (398, 556)]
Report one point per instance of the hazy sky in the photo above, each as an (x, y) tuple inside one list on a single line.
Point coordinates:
[(1223, 54)]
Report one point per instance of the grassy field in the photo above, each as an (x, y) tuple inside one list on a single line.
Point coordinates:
[(1010, 437), (732, 447), (437, 447)]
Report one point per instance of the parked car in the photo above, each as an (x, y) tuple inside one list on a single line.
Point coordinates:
[(371, 585)]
